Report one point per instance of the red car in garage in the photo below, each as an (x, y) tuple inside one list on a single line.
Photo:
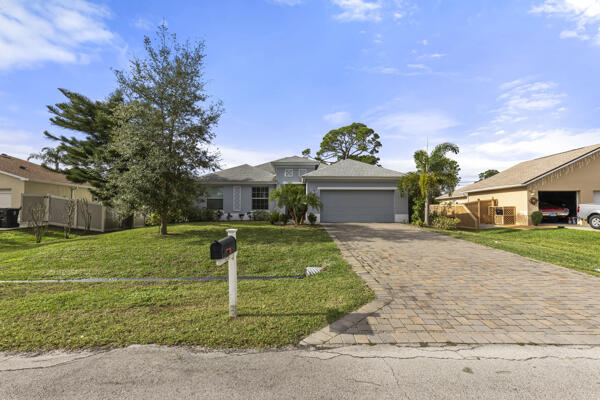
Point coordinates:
[(551, 211)]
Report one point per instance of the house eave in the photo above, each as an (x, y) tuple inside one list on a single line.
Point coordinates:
[(351, 178), (75, 185), (520, 185), (237, 182), (14, 176)]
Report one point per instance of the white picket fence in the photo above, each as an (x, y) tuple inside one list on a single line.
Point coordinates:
[(103, 219)]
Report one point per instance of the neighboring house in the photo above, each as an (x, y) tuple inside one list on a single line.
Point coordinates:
[(569, 178), (19, 177), (351, 191)]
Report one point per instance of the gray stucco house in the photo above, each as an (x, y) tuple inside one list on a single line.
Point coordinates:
[(351, 191)]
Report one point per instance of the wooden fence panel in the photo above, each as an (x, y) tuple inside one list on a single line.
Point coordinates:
[(460, 211)]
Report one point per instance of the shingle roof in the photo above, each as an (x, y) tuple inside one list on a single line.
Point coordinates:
[(527, 171), (32, 171), (241, 173), (352, 169), (295, 160), (267, 167)]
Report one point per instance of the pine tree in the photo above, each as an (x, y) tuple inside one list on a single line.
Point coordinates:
[(87, 158)]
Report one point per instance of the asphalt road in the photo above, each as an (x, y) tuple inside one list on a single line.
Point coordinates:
[(353, 372)]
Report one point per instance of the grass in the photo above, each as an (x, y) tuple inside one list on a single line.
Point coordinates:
[(96, 315), (571, 248), (141, 253)]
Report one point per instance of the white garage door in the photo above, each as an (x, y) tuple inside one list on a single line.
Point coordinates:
[(4, 198), (357, 205)]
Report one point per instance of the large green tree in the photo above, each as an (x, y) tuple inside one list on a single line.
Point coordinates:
[(163, 132), (355, 141), (488, 174), (435, 173), (86, 157), (296, 200)]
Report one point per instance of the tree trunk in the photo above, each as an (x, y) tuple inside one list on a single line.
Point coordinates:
[(426, 209), (164, 219)]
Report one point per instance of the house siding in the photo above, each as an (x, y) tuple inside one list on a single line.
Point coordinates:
[(16, 187), (19, 187), (246, 199), (297, 178)]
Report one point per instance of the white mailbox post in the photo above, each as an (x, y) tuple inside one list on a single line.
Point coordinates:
[(232, 278)]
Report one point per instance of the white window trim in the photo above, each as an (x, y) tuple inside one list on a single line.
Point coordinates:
[(260, 198), (302, 171), (290, 174)]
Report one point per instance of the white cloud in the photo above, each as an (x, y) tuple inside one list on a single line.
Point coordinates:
[(143, 24), (232, 157), (584, 14), (417, 66), (431, 56), (392, 124), (337, 118), (505, 151), (12, 142), (522, 100), (55, 30), (358, 10)]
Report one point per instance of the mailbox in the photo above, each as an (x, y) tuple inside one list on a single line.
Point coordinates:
[(223, 248)]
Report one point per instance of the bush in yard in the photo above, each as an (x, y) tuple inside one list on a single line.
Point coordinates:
[(206, 214), (312, 218), (261, 215), (418, 208), (536, 217), (445, 223), (274, 217), (295, 200), (284, 218)]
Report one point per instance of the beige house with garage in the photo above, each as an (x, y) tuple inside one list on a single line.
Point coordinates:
[(19, 177), (565, 179)]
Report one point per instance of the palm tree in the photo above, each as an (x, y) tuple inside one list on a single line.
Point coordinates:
[(50, 157), (296, 200), (435, 173)]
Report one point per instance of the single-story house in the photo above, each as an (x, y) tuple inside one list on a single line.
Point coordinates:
[(19, 177), (351, 191), (569, 178)]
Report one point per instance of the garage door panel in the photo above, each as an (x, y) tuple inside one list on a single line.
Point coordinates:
[(357, 205)]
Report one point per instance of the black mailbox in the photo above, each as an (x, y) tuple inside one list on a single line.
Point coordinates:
[(223, 248)]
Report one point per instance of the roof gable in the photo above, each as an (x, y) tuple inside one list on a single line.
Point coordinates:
[(529, 171), (352, 169)]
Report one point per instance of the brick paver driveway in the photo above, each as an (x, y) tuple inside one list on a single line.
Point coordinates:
[(435, 289)]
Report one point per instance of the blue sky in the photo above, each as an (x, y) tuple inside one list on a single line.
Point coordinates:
[(506, 80)]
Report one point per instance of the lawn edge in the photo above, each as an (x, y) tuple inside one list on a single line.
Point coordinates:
[(383, 297), (536, 260)]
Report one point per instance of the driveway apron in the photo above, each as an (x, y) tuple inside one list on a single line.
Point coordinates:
[(434, 289)]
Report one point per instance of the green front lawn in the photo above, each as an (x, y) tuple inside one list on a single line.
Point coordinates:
[(76, 315), (576, 249), (141, 253)]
